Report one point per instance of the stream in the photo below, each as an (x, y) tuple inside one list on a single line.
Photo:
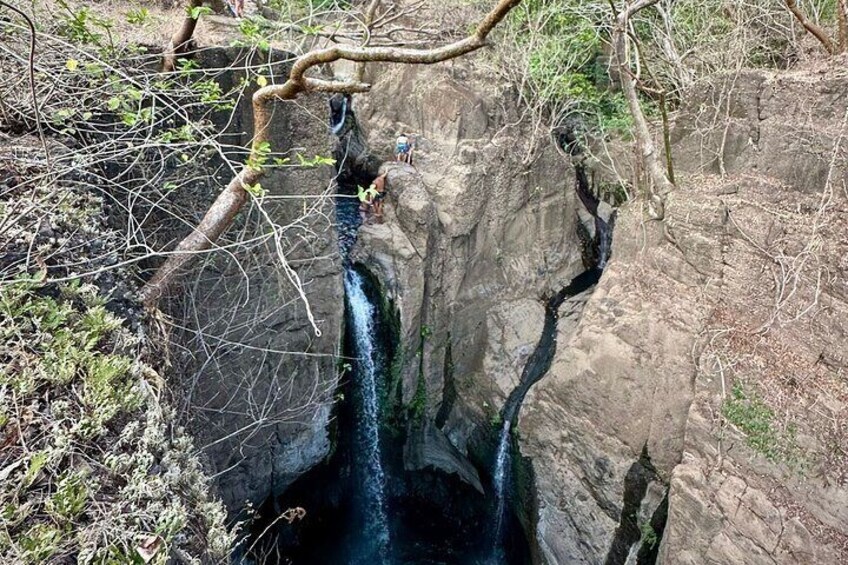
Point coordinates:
[(368, 453), (536, 367)]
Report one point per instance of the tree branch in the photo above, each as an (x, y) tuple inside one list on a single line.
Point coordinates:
[(180, 40), (644, 140), (818, 32), (359, 73), (225, 207)]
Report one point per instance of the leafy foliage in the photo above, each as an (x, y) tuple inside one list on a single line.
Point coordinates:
[(649, 535), (83, 25), (747, 411), (560, 45), (82, 426)]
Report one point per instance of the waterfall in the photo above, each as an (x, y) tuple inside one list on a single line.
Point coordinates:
[(361, 311), (536, 367), (499, 476), (337, 127)]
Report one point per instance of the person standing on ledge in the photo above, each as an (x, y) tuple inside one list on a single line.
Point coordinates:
[(236, 7), (379, 185), (371, 199), (403, 149)]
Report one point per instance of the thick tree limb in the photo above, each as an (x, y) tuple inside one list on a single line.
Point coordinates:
[(222, 212), (817, 32), (644, 140), (359, 73), (180, 40)]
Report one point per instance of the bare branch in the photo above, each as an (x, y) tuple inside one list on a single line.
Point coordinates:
[(36, 108), (645, 142), (230, 201), (369, 22), (817, 32)]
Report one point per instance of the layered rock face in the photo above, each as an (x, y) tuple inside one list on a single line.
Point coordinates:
[(715, 342), (259, 382), (703, 378), (475, 237), (705, 375)]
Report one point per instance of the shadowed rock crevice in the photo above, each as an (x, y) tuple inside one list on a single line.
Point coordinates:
[(449, 393), (636, 540)]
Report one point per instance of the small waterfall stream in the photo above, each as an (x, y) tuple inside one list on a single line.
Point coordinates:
[(541, 358), (499, 477), (369, 455), (536, 367)]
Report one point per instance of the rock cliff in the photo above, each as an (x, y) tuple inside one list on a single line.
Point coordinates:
[(703, 379), (258, 381), (476, 235)]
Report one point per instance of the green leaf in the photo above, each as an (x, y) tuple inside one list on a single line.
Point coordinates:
[(138, 16), (113, 103), (36, 464), (315, 161), (255, 190), (198, 11)]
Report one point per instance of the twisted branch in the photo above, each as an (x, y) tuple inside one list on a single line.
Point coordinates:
[(817, 32), (222, 212)]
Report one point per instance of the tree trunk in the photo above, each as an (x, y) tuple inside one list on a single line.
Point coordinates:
[(648, 155), (180, 40)]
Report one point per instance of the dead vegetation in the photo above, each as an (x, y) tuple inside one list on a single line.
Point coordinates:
[(92, 468)]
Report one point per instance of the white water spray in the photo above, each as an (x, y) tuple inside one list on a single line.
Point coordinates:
[(500, 477), (336, 128), (368, 436), (604, 243)]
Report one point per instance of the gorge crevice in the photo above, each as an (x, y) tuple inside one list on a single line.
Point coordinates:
[(394, 489)]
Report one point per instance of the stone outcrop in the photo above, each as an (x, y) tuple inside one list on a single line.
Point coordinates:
[(734, 308), (474, 239), (706, 368), (259, 382), (741, 291)]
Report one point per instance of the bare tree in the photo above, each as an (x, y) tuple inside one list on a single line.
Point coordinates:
[(648, 154), (230, 201)]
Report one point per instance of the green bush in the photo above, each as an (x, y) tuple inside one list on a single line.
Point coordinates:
[(749, 413)]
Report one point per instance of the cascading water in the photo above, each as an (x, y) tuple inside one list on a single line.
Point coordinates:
[(499, 477), (376, 526), (604, 237), (537, 366), (361, 316)]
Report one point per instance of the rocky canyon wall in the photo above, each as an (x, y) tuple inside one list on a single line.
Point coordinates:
[(476, 235), (255, 378), (713, 342), (707, 365)]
